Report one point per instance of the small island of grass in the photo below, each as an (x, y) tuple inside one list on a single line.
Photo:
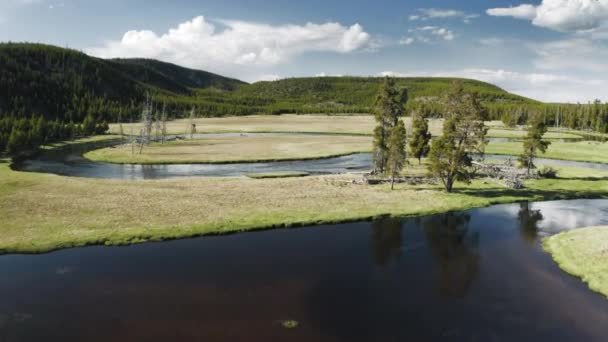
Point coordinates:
[(245, 148), (583, 253)]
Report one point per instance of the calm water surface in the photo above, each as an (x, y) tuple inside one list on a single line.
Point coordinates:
[(479, 275)]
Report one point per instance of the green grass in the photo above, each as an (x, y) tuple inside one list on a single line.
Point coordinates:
[(93, 139), (586, 151), (520, 134), (277, 175), (583, 253), (236, 149), (43, 212)]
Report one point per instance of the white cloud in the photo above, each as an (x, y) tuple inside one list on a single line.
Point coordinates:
[(519, 12), (324, 74), (266, 77), (561, 15), (437, 13), (425, 32), (199, 44), (406, 41), (539, 86)]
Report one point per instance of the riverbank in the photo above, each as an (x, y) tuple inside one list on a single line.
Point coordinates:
[(236, 149), (584, 254), (44, 212)]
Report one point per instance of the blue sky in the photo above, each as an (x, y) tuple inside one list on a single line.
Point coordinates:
[(552, 50)]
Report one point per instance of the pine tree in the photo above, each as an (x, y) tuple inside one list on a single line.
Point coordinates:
[(388, 108), (464, 134), (533, 143), (420, 138), (397, 156)]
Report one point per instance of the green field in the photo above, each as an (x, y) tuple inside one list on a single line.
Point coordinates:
[(236, 149), (326, 124), (583, 253), (42, 212), (578, 151)]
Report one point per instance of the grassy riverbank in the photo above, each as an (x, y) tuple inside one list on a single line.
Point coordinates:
[(583, 253), (43, 212), (586, 151), (236, 149)]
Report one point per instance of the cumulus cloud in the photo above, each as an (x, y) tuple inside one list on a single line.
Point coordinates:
[(561, 15), (424, 14), (200, 44), (541, 86), (519, 12)]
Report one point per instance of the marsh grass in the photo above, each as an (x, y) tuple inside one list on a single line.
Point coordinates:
[(584, 254), (585, 151), (237, 149)]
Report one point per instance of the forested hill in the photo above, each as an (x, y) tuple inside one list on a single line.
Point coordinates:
[(67, 85), (358, 93), (49, 93)]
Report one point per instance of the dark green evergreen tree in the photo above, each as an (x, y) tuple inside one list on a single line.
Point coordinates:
[(420, 137), (464, 134), (388, 108), (534, 143), (397, 155)]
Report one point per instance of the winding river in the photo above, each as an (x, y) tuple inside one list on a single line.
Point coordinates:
[(70, 162), (477, 275)]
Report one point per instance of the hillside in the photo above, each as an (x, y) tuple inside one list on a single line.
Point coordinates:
[(343, 94), (172, 77), (67, 85)]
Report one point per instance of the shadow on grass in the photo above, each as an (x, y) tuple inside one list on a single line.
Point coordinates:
[(533, 194), (583, 178)]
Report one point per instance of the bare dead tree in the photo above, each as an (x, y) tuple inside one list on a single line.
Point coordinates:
[(157, 124), (146, 130), (191, 129), (164, 123)]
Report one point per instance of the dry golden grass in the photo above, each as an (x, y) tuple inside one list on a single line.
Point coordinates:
[(237, 149), (344, 124)]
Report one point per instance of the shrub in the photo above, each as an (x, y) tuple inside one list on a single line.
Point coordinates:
[(547, 172)]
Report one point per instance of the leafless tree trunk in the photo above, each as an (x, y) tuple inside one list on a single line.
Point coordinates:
[(164, 123)]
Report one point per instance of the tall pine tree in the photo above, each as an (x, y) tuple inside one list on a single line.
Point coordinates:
[(397, 156), (388, 108), (420, 137)]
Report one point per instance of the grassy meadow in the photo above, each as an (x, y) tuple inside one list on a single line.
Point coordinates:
[(586, 151), (43, 212), (236, 149), (583, 253)]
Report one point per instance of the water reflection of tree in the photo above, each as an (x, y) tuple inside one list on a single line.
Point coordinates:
[(455, 250), (528, 221), (386, 240)]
